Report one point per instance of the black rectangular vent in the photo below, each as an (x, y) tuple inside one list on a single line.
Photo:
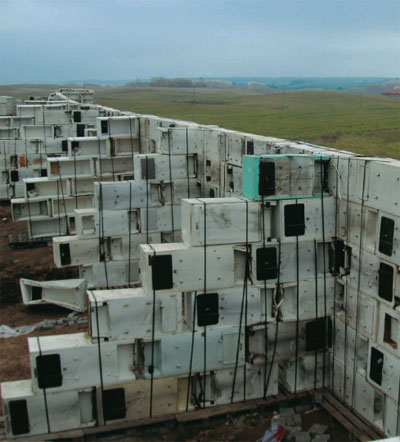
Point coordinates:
[(65, 254), (114, 406), (294, 220), (386, 274), (337, 257), (43, 172), (266, 263), (250, 147), (36, 293), (162, 277), (318, 334), (148, 168), (77, 117), (207, 309), (49, 371), (64, 145), (104, 126), (376, 366), (19, 417), (14, 176), (80, 130), (266, 181), (386, 236)]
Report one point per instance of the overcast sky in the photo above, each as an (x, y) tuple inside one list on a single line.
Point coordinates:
[(60, 40)]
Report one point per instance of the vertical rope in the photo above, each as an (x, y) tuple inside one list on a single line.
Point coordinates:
[(44, 393), (151, 368), (297, 308), (335, 280), (187, 162), (76, 193), (242, 308), (324, 268), (205, 292), (129, 233), (63, 197), (316, 308), (171, 185), (359, 281), (346, 286), (265, 306), (99, 348)]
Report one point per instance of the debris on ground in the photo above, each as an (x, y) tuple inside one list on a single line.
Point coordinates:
[(46, 324)]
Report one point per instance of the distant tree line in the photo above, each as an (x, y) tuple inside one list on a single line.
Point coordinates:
[(200, 83)]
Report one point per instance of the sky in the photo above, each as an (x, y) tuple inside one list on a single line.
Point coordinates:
[(66, 40)]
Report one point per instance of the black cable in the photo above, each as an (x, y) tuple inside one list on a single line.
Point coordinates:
[(346, 284), (205, 293), (191, 351), (44, 139), (171, 186), (335, 279), (131, 136), (324, 267), (76, 193), (58, 208), (111, 148), (147, 200), (316, 308), (62, 196), (101, 217), (359, 280), (151, 368), (102, 249), (129, 232), (278, 286), (187, 162), (265, 307), (99, 350), (242, 308), (139, 135), (44, 393), (297, 308)]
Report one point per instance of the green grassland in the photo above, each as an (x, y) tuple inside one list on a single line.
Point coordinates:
[(366, 124)]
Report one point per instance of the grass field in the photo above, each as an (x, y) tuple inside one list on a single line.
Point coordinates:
[(365, 124)]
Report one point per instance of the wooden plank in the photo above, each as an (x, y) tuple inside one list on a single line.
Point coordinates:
[(361, 436), (374, 433)]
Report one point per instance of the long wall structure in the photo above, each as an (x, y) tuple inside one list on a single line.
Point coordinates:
[(219, 265)]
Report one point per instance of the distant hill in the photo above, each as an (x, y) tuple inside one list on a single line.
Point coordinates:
[(374, 88)]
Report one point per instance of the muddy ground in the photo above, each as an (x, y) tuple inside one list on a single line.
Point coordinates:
[(37, 264)]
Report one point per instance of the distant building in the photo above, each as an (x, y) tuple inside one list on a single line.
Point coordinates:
[(392, 93)]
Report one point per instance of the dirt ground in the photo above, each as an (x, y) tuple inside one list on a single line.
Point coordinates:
[(37, 264)]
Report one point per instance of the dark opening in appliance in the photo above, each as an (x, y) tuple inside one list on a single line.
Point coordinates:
[(19, 417), (77, 117), (386, 236), (376, 366), (266, 181), (319, 334), (294, 220), (65, 254), (386, 273), (266, 263), (114, 406), (207, 309), (49, 370), (162, 277)]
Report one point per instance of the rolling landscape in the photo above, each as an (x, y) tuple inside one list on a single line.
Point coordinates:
[(363, 123)]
